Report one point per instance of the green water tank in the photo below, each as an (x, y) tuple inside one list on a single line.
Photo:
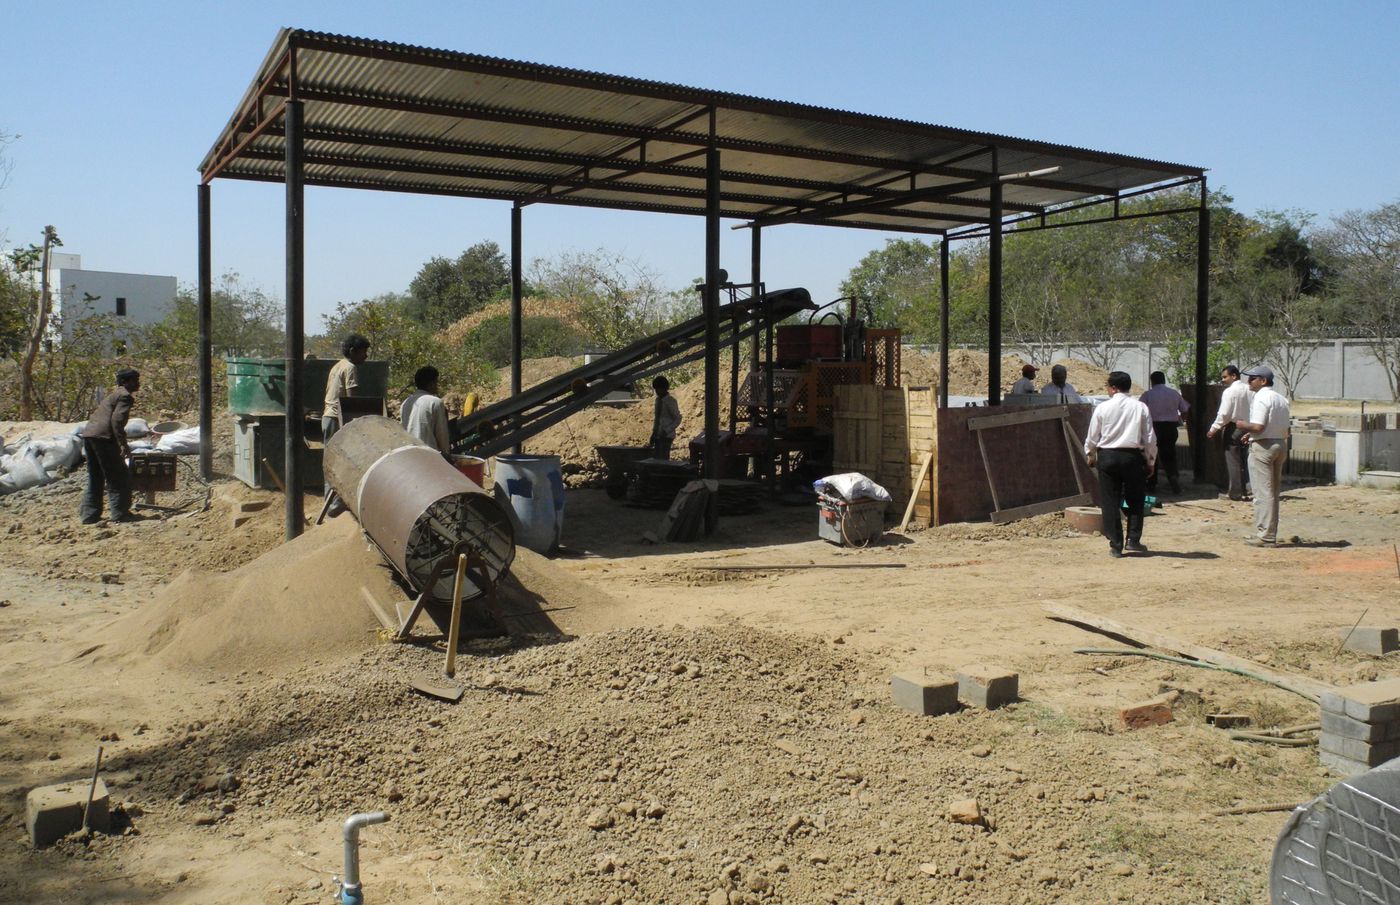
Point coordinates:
[(258, 386)]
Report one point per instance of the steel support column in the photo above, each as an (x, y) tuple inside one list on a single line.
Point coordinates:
[(755, 277), (943, 324), (517, 295), (206, 342), (994, 293), (711, 302), (1198, 411), (296, 273)]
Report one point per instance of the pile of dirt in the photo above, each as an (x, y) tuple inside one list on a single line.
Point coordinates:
[(1052, 524), (967, 372), (455, 334), (306, 600), (719, 765)]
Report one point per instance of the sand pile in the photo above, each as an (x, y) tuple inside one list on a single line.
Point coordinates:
[(305, 600), (967, 372), (566, 311), (714, 765)]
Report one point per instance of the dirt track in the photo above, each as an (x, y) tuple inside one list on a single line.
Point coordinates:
[(723, 736)]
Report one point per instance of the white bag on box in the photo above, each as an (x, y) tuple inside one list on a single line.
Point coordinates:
[(184, 442), (851, 486)]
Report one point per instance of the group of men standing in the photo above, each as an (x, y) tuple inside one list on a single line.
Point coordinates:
[(1126, 435)]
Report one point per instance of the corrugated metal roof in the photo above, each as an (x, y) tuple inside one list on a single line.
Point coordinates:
[(395, 117)]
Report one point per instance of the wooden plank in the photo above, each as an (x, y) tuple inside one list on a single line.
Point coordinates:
[(1310, 688), (1046, 413), (1074, 455), (1001, 516), (379, 612), (987, 465), (913, 497)]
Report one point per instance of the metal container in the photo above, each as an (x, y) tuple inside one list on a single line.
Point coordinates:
[(258, 386), (850, 524), (152, 471), (418, 509)]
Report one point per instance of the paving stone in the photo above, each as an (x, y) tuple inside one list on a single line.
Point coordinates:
[(1346, 727), (1343, 765), (1228, 720), (929, 695), (987, 686), (1154, 712), (52, 812), (1370, 639), (1354, 749), (1370, 702)]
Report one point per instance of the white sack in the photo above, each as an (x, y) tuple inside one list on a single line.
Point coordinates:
[(851, 486)]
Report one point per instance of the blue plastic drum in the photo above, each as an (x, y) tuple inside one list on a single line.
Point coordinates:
[(534, 488)]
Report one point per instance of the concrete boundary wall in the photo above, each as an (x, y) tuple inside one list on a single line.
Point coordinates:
[(1340, 368)]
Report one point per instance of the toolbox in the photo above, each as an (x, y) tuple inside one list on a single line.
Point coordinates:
[(850, 523), (152, 471)]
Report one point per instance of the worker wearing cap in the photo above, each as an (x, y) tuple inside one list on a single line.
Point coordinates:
[(1167, 409), (1026, 385), (106, 451), (1234, 405), (1061, 387), (343, 380), (1266, 431), (1121, 444)]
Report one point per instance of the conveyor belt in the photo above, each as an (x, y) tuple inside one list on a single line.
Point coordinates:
[(511, 421)]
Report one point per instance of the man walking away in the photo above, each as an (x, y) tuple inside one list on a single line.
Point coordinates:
[(106, 450), (1121, 443), (1234, 406), (1167, 409), (666, 417), (423, 415), (1058, 386), (343, 380), (1267, 430)]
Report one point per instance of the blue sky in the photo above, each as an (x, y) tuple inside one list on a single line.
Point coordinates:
[(1290, 105)]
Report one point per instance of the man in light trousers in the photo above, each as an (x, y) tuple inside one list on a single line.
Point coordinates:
[(1267, 436)]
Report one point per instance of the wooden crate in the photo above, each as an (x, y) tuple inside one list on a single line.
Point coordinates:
[(884, 433)]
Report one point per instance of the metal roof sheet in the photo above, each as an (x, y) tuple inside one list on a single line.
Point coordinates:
[(395, 117)]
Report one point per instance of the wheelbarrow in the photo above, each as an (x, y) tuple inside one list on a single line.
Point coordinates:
[(620, 462)]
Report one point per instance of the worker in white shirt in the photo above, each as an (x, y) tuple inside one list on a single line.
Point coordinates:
[(1060, 386), (1026, 385), (1120, 443), (1167, 409), (1234, 406), (665, 418), (1266, 431), (423, 415)]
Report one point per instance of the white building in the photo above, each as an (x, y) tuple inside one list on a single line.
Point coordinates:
[(136, 298)]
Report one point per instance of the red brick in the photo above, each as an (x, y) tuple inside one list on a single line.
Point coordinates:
[(1155, 712)]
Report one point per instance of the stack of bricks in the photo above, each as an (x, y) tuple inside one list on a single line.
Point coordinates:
[(1360, 726)]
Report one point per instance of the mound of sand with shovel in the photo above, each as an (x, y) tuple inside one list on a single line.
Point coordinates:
[(305, 601)]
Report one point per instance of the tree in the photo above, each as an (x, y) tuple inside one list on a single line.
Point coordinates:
[(244, 321), (445, 291), (397, 338), (900, 284), (541, 337), (1362, 252), (620, 300), (25, 260)]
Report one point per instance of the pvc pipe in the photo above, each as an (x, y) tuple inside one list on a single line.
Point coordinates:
[(350, 893)]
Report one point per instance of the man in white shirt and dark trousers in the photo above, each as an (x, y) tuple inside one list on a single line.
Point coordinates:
[(1234, 405), (1167, 408), (1267, 437), (1121, 444)]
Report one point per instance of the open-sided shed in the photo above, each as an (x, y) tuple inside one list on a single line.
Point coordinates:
[(339, 111)]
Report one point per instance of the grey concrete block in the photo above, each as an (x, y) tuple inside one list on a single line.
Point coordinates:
[(1355, 749), (929, 695), (1346, 727), (987, 686), (1371, 639), (1370, 702), (1343, 765), (52, 812)]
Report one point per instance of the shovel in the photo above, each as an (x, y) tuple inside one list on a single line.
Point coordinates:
[(448, 690)]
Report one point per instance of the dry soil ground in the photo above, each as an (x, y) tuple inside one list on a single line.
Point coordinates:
[(710, 736)]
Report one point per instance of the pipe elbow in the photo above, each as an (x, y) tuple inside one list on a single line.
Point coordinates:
[(356, 822)]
